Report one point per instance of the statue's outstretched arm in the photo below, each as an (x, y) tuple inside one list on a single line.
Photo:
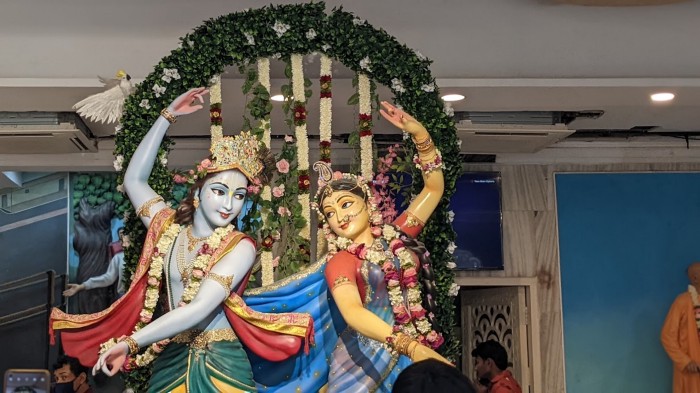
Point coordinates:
[(434, 183), (230, 269), (146, 202)]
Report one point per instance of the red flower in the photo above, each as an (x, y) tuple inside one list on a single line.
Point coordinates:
[(205, 250), (299, 114), (268, 242), (304, 182), (365, 133)]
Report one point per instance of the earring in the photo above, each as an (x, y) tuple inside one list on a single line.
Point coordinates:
[(195, 202)]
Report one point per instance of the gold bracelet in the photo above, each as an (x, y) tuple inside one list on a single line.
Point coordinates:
[(168, 116), (424, 145), (133, 345), (145, 209)]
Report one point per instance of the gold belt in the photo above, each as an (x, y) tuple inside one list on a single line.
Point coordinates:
[(197, 338)]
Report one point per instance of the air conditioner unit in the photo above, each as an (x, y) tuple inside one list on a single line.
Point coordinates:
[(43, 133), (508, 138)]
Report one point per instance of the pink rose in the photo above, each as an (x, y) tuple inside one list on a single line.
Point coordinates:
[(417, 311), (253, 189), (179, 179), (387, 266), (391, 275), (152, 281), (362, 254), (376, 231), (145, 316), (400, 314), (206, 163), (396, 245), (435, 339), (283, 166), (288, 138), (278, 192), (352, 249), (337, 175), (191, 172), (283, 211), (392, 283), (197, 273)]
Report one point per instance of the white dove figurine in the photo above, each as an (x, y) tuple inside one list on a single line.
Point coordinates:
[(108, 105)]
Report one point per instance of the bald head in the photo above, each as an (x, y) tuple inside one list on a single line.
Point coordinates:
[(694, 273)]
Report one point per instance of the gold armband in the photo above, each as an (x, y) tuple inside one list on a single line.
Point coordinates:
[(224, 281), (145, 209)]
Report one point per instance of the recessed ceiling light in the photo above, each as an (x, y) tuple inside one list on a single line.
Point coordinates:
[(278, 97), (452, 97), (661, 97)]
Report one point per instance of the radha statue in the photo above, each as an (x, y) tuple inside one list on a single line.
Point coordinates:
[(183, 304)]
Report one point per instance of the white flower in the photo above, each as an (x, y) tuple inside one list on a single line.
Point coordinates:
[(119, 127), (277, 56), (451, 247), (459, 143), (144, 104), (190, 42), (170, 74), (451, 265), (397, 86), (120, 188), (250, 38), (118, 163), (166, 78), (357, 21), (406, 135), (311, 34), (158, 90), (429, 88), (325, 47), (214, 80), (126, 216), (449, 110), (421, 56), (164, 160), (454, 290), (364, 64), (280, 28), (450, 216), (126, 241)]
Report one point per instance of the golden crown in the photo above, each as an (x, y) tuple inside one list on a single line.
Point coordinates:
[(236, 152)]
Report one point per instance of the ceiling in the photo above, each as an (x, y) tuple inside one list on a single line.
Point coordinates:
[(506, 55)]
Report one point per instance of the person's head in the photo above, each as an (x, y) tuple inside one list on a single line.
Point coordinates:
[(222, 181), (694, 274), (490, 358), (345, 202), (432, 376), (70, 375)]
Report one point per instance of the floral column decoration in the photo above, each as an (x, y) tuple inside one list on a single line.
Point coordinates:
[(325, 130), (302, 141), (365, 101), (266, 264)]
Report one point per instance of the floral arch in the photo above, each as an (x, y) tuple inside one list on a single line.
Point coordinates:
[(243, 37)]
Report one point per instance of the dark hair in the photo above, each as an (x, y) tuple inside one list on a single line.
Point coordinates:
[(75, 367), (184, 215), (348, 185), (432, 375), (491, 349)]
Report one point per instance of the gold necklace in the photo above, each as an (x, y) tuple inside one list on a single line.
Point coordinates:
[(192, 240), (182, 265)]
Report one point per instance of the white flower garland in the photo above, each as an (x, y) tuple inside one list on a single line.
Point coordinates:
[(200, 268), (302, 140), (363, 91), (267, 268), (216, 131), (325, 129)]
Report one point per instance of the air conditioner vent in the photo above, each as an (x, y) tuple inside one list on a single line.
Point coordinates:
[(43, 133), (508, 138)]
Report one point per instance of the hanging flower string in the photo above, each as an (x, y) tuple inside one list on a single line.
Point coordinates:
[(325, 129), (298, 91), (266, 264), (364, 93), (216, 120), (389, 252)]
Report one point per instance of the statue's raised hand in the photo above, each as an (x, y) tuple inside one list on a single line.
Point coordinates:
[(403, 120), (188, 102)]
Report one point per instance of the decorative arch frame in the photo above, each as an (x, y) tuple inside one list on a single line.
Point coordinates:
[(225, 41)]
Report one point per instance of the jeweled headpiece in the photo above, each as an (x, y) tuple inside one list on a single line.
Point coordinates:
[(236, 152), (326, 176)]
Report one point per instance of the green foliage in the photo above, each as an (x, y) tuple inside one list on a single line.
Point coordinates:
[(98, 188), (221, 42)]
